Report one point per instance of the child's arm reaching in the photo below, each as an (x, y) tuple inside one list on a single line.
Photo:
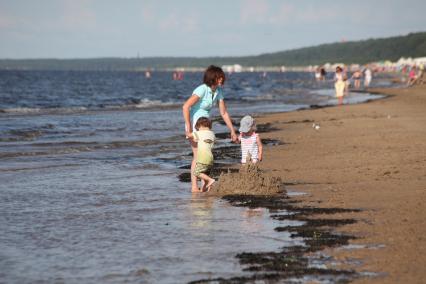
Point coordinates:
[(260, 147)]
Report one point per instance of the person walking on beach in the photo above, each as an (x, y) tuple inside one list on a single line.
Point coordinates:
[(339, 84), (368, 76), (320, 74), (412, 76), (323, 73), (421, 74), (200, 104), (317, 74), (251, 144), (204, 138), (356, 76)]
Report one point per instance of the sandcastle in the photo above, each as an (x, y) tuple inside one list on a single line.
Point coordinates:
[(248, 180)]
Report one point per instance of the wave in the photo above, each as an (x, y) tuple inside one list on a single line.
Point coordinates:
[(27, 110), (70, 147), (26, 134), (37, 167), (134, 105)]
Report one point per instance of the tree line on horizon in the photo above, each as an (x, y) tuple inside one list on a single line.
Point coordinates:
[(359, 52)]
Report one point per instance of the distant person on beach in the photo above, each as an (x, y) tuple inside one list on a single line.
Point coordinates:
[(202, 100), (357, 76), (320, 74), (323, 73), (338, 74), (178, 75), (421, 74), (368, 76), (347, 83), (204, 138), (317, 74), (251, 145), (339, 84), (412, 76)]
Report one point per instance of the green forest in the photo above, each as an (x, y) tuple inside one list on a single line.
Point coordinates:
[(361, 52)]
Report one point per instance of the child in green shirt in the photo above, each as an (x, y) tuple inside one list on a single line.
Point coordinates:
[(204, 158)]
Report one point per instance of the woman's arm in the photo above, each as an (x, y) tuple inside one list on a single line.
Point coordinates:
[(259, 146), (227, 119), (185, 109)]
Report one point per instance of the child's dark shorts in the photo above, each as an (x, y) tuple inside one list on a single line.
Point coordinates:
[(202, 168)]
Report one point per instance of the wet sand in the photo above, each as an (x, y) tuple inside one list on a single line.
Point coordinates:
[(370, 156)]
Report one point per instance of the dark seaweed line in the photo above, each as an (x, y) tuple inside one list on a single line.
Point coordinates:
[(291, 262)]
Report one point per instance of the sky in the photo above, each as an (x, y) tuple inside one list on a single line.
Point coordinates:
[(148, 28)]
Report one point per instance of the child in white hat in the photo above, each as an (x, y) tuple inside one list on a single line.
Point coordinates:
[(251, 145)]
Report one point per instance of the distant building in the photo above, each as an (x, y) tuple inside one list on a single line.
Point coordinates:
[(232, 68), (420, 60), (411, 61)]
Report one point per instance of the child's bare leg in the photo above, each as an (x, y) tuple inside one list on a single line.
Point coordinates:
[(194, 180), (194, 183), (208, 182)]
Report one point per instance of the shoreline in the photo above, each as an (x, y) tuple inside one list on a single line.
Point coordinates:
[(369, 156)]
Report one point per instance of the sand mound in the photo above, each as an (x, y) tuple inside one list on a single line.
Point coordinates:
[(249, 180)]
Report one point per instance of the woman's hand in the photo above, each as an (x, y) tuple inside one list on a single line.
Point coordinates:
[(185, 109), (234, 137), (227, 119), (189, 135)]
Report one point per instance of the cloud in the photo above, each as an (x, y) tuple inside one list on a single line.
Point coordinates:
[(282, 15), (78, 15), (174, 22), (272, 13), (176, 19), (315, 14), (254, 11), (6, 22)]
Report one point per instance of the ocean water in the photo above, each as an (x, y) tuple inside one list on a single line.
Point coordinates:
[(88, 177)]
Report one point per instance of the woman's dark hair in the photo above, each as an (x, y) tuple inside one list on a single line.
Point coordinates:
[(204, 122), (212, 74)]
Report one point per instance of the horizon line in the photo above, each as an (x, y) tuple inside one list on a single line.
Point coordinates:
[(211, 56)]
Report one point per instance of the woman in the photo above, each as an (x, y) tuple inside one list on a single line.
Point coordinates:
[(199, 105), (339, 84)]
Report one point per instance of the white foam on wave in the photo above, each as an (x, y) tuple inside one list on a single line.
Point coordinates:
[(25, 110), (148, 103), (21, 110), (143, 104), (266, 96)]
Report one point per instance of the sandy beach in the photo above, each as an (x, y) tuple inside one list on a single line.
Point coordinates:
[(370, 156)]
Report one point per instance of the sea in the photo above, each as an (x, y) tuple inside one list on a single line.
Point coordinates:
[(89, 166)]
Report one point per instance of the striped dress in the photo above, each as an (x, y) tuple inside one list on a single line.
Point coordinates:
[(249, 147)]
